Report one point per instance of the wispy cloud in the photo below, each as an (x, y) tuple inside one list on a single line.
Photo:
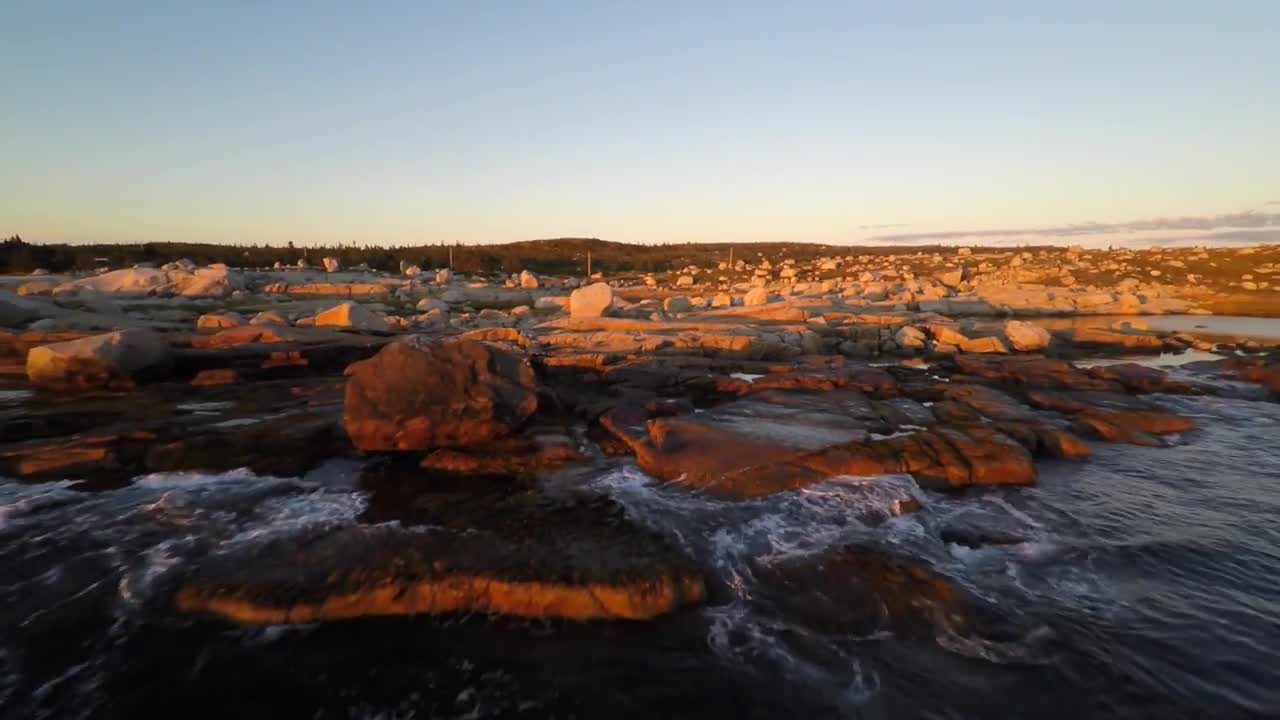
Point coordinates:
[(1234, 221), (884, 226)]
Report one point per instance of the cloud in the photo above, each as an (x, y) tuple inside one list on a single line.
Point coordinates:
[(884, 226), (1232, 221)]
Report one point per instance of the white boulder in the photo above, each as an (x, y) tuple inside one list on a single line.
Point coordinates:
[(591, 301)]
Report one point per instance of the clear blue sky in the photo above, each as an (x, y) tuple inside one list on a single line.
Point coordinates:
[(644, 121)]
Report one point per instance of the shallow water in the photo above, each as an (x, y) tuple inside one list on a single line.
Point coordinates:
[(1143, 583), (1262, 328)]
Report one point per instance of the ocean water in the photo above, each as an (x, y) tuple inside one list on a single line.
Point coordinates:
[(1144, 583)]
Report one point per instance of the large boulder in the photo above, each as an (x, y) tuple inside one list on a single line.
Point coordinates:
[(528, 280), (332, 264), (593, 300), (1026, 337), (423, 394), (114, 360)]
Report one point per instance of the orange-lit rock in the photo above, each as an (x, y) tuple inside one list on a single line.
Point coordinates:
[(424, 394)]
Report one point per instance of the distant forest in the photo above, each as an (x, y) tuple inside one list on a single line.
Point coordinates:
[(561, 256)]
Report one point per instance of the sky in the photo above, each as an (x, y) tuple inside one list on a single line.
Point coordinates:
[(836, 122)]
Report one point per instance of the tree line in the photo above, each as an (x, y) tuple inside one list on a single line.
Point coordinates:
[(558, 256)]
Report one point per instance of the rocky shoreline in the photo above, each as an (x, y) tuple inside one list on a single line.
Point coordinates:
[(742, 381)]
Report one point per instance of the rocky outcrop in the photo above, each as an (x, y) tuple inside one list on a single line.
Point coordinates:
[(763, 445), (115, 360), (423, 394), (1113, 417)]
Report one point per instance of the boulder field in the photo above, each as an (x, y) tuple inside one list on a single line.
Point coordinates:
[(486, 405)]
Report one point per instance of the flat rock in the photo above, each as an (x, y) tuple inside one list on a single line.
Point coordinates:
[(114, 360), (520, 556), (862, 590)]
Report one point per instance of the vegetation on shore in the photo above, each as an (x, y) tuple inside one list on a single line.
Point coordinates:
[(560, 256)]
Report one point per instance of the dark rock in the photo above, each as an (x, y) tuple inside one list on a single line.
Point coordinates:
[(862, 590), (523, 554)]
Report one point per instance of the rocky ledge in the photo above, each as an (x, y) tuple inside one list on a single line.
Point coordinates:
[(523, 554)]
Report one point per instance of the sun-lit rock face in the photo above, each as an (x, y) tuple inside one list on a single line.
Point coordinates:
[(111, 360), (591, 301)]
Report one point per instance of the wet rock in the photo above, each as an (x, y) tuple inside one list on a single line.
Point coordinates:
[(423, 394), (1031, 371), (939, 458), (1113, 417), (114, 360), (862, 590), (286, 445), (216, 376), (976, 527), (988, 402), (1141, 378), (512, 457), (520, 555), (758, 447)]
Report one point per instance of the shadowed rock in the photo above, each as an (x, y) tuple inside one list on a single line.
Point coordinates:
[(522, 555), (862, 590)]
